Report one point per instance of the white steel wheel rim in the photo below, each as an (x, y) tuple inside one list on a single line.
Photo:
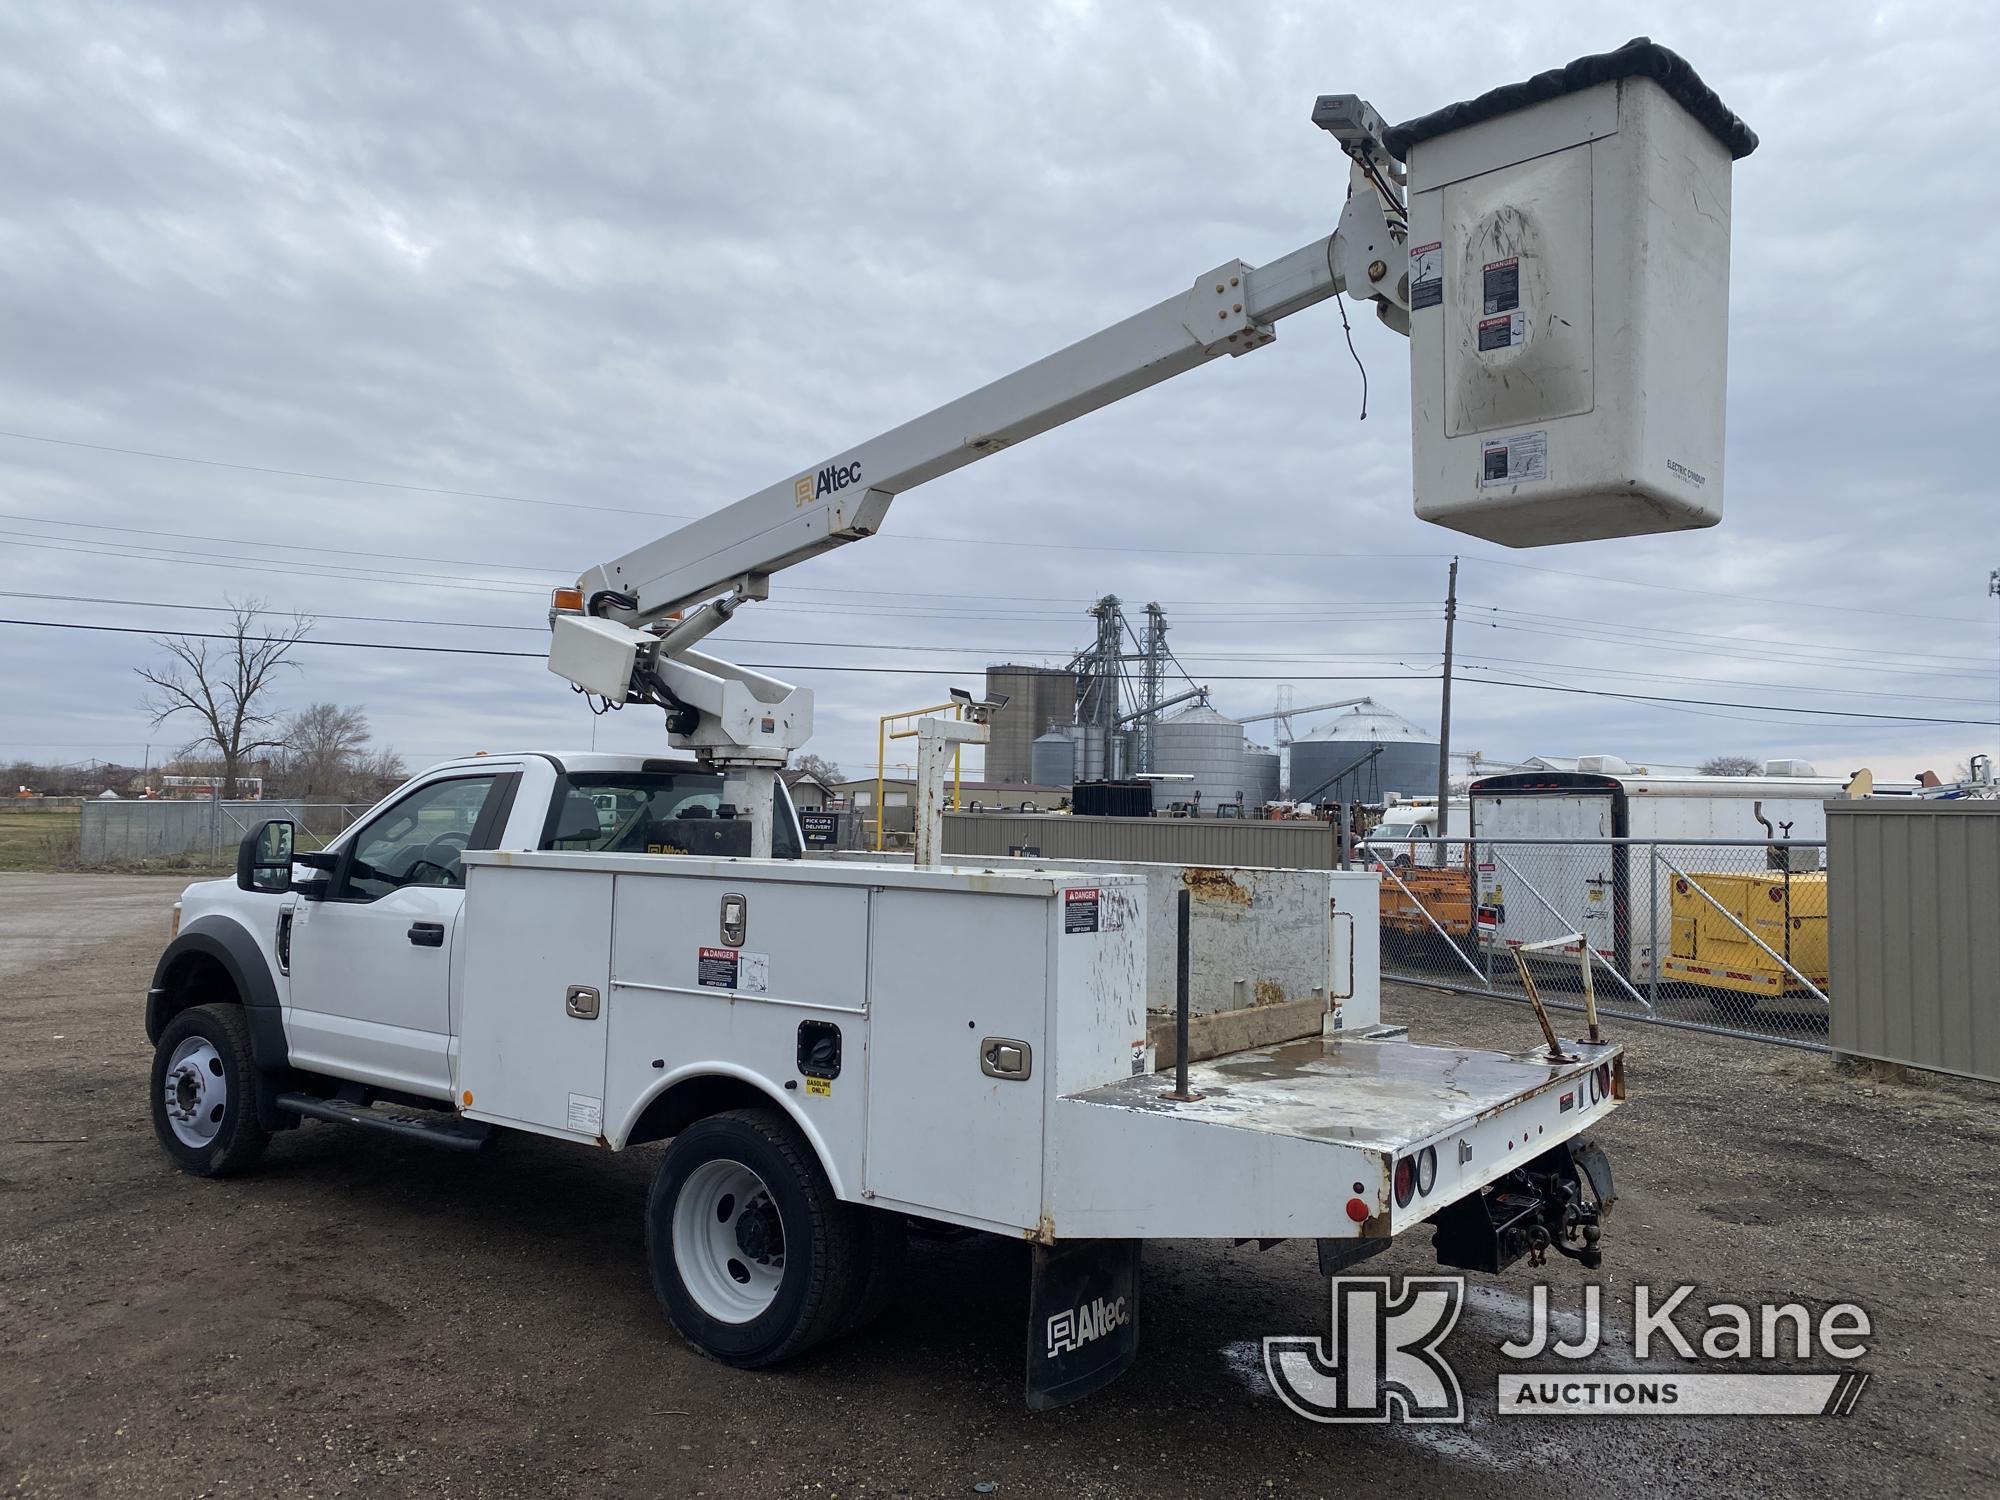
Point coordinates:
[(729, 1242), (196, 1092)]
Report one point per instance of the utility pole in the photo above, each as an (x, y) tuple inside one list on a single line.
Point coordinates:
[(1444, 711), (1993, 592)]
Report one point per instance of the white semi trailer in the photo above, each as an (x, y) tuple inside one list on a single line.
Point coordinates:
[(611, 950), (1551, 861)]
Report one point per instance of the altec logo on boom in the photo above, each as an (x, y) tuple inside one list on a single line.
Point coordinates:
[(811, 487)]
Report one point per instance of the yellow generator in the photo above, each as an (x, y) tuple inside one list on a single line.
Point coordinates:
[(1786, 911)]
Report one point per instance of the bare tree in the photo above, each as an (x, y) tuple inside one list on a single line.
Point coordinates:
[(324, 744), (1731, 765), (224, 683), (818, 765)]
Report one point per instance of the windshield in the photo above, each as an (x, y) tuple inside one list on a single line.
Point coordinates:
[(658, 812), (1394, 831)]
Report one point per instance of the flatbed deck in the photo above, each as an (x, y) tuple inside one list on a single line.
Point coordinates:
[(1302, 1138)]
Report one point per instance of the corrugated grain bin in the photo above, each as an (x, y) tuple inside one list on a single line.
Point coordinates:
[(1337, 761)]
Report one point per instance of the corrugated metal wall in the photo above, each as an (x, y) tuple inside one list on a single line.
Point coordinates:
[(1181, 841), (1914, 928)]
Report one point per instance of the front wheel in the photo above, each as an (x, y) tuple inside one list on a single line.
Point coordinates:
[(205, 1092), (752, 1255)]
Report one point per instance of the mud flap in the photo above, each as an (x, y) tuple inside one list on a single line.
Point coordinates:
[(1083, 1318), (1596, 1169)]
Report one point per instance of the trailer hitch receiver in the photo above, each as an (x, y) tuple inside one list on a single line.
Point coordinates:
[(1556, 1202)]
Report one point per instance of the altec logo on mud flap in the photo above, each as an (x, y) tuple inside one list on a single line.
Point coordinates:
[(1077, 1326), (810, 487), (1383, 1361)]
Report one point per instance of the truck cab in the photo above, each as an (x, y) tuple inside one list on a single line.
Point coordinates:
[(359, 971)]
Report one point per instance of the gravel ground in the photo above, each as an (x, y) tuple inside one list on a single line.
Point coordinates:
[(361, 1317), (49, 917)]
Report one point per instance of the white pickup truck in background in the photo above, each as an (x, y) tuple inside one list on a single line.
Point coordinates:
[(570, 945)]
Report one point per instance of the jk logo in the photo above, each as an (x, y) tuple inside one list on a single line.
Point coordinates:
[(1380, 1361)]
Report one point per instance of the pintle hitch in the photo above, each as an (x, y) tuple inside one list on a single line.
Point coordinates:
[(1556, 1202)]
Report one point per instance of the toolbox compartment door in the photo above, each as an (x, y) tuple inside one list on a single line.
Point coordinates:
[(951, 973)]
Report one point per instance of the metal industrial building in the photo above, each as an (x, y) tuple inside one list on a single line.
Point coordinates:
[(1036, 698)]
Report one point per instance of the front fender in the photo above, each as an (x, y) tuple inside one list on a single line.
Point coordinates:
[(236, 950)]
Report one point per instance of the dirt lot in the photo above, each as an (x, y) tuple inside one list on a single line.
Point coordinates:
[(367, 1318)]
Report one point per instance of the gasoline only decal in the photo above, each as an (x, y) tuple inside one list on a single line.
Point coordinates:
[(1080, 909)]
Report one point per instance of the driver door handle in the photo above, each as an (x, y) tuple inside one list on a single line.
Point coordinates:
[(427, 934)]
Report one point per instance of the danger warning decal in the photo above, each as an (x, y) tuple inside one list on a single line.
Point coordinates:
[(1520, 459), (1426, 275), (732, 969), (1500, 286), (1507, 331), (1082, 909)]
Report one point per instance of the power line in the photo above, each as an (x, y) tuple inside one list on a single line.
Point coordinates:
[(426, 489), (380, 484), (1837, 654), (1675, 588), (667, 515), (1831, 713), (544, 571), (991, 652), (994, 652)]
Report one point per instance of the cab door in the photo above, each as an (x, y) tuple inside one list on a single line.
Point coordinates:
[(372, 961)]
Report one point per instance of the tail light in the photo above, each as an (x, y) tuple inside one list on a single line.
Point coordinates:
[(1427, 1170), (1406, 1181)]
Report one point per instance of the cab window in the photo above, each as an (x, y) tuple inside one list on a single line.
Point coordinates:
[(418, 840), (658, 812)]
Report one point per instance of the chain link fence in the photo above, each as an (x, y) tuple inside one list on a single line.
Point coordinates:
[(193, 832), (1725, 935)]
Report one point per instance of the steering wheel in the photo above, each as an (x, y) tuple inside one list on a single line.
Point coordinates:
[(446, 846)]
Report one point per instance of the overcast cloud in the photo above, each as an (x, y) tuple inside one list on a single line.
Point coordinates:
[(652, 258)]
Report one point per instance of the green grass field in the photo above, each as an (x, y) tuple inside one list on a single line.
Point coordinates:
[(38, 840), (46, 841)]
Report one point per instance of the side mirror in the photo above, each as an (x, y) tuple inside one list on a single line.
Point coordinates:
[(323, 864), (264, 858)]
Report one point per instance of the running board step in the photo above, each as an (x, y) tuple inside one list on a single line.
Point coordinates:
[(427, 1127)]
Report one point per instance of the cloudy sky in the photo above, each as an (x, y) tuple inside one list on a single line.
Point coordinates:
[(526, 285)]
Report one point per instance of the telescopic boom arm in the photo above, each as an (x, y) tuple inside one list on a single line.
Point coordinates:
[(625, 632)]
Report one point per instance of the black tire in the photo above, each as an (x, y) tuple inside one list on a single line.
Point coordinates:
[(885, 1241), (237, 1138), (823, 1246)]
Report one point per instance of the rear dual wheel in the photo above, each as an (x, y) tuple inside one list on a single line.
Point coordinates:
[(753, 1256)]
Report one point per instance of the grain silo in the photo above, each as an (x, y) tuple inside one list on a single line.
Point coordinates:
[(1052, 759), (1263, 766), (1208, 747), (1037, 698), (1362, 755)]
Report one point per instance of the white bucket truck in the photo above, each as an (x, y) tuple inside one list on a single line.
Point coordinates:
[(613, 950)]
